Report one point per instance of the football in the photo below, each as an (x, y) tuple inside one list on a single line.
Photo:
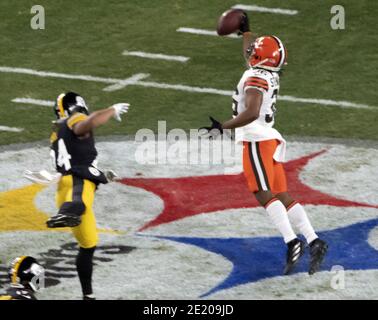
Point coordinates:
[(229, 22)]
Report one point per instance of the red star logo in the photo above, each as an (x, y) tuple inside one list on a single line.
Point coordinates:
[(189, 196)]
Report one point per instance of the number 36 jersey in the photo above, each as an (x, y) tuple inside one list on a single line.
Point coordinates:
[(268, 84)]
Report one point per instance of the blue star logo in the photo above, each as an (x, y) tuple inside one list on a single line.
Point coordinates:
[(259, 258)]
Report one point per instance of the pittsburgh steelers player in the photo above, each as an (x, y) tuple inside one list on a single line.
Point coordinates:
[(74, 155), (26, 276), (254, 106)]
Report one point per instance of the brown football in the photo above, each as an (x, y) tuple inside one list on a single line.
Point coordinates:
[(229, 22)]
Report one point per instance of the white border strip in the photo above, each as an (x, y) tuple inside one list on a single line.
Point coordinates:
[(258, 167), (160, 56), (264, 9), (204, 32), (121, 83), (11, 129), (37, 102)]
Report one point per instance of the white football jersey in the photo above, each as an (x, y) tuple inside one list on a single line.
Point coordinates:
[(268, 83)]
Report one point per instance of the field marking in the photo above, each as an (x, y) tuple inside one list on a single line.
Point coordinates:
[(58, 75), (326, 102), (265, 9), (160, 56), (37, 102), (121, 83), (127, 82), (204, 32), (11, 129), (181, 87)]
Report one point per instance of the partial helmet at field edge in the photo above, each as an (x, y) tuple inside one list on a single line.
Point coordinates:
[(26, 271)]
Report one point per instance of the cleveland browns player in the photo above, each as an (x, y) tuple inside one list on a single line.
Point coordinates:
[(74, 155), (26, 276), (254, 107)]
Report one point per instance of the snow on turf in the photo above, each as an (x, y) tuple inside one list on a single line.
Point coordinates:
[(162, 269)]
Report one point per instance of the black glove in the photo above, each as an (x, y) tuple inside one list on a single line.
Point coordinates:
[(215, 125), (244, 24)]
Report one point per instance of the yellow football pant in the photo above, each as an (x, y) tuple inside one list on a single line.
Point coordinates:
[(70, 188)]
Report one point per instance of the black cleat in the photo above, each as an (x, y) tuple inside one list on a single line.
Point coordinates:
[(63, 220), (318, 249), (295, 249)]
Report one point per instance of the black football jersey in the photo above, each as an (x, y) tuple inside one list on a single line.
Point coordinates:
[(73, 154)]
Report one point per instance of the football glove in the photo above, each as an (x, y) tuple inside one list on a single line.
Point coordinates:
[(110, 175), (244, 24), (120, 108), (214, 130)]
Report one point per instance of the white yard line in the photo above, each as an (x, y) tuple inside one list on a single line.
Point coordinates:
[(136, 80), (264, 9), (37, 102), (181, 87), (203, 32), (127, 82), (57, 75), (11, 129), (326, 102), (158, 56)]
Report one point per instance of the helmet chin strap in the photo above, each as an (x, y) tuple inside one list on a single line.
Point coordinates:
[(260, 63), (265, 67)]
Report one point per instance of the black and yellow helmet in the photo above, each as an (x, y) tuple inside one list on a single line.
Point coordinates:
[(26, 271), (68, 103)]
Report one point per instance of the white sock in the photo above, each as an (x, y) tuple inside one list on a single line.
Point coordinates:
[(298, 217), (277, 212)]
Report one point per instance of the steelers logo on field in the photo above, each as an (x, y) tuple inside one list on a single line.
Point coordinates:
[(181, 231)]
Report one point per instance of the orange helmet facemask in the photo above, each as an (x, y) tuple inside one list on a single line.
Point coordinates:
[(267, 52)]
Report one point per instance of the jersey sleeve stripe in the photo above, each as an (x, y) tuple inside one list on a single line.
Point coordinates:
[(255, 85), (256, 82), (75, 119), (262, 90), (257, 79)]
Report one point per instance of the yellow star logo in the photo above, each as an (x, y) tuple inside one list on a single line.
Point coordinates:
[(19, 213)]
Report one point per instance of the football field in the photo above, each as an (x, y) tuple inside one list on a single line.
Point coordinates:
[(178, 230)]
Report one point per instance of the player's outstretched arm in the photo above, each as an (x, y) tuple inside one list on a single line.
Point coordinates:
[(99, 118), (248, 36), (253, 100)]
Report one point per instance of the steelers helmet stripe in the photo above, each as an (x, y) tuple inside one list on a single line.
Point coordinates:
[(15, 269), (282, 51), (59, 102)]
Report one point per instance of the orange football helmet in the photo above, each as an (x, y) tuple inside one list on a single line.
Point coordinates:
[(267, 52)]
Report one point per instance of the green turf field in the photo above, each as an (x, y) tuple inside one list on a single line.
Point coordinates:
[(88, 37)]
